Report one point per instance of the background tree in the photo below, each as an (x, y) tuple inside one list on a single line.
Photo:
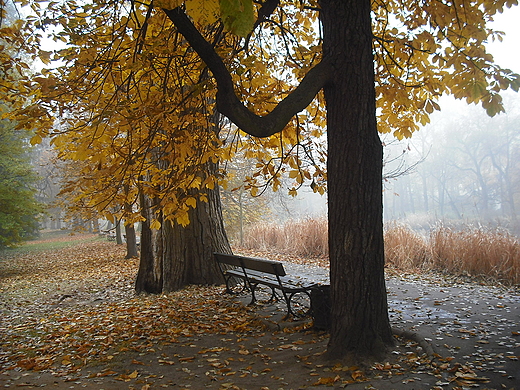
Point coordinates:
[(19, 210), (240, 208), (130, 104), (463, 171)]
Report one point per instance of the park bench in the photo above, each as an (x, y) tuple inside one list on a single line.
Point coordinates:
[(253, 272)]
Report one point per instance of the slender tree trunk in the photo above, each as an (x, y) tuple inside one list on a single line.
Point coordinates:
[(95, 225), (149, 277), (131, 241), (241, 215), (360, 324), (119, 238)]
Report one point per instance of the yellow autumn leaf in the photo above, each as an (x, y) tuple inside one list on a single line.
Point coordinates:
[(203, 11), (294, 174), (155, 225), (327, 380), (183, 218), (168, 4), (133, 375), (45, 57), (36, 139), (192, 202)]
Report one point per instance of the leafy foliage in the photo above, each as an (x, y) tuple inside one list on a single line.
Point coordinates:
[(425, 51), (135, 102), (19, 209)]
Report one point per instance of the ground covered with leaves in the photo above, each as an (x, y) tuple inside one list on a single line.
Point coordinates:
[(70, 319)]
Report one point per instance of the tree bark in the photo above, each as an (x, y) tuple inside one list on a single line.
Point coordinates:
[(360, 324), (188, 251), (149, 276), (131, 241), (175, 256), (119, 238)]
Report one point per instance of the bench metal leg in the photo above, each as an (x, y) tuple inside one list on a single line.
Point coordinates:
[(253, 287), (305, 307), (232, 283), (272, 298)]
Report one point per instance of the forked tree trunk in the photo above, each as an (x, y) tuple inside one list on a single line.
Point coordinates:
[(360, 324)]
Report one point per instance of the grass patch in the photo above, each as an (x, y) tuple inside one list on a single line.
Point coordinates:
[(51, 240)]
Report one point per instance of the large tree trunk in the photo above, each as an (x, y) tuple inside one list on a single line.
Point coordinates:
[(360, 324), (177, 256), (189, 250)]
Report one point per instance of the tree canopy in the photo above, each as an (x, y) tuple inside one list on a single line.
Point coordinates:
[(126, 81)]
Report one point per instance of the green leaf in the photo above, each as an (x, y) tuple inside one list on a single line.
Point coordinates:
[(238, 16)]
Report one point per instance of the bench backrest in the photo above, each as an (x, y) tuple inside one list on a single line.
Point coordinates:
[(262, 265)]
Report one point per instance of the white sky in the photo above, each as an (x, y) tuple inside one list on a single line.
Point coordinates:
[(507, 53)]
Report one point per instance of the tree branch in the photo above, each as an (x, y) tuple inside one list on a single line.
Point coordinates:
[(230, 105)]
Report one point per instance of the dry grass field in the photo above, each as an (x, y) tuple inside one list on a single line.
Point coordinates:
[(475, 251)]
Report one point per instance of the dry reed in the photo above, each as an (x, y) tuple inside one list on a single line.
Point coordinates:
[(306, 238), (404, 248), (472, 251), (477, 252)]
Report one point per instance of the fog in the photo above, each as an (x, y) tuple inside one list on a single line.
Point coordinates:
[(467, 165), (462, 168)]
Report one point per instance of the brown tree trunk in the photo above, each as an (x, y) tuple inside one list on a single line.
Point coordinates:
[(177, 256), (189, 249), (119, 237), (131, 241), (149, 277), (360, 324)]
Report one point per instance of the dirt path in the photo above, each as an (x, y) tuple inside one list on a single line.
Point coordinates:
[(70, 320)]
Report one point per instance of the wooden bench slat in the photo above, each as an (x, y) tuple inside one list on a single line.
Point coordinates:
[(263, 265)]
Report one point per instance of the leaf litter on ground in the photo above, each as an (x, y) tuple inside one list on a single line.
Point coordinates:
[(70, 317)]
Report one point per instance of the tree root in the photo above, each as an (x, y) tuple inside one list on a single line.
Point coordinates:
[(427, 348)]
